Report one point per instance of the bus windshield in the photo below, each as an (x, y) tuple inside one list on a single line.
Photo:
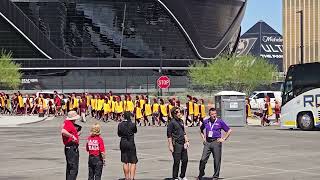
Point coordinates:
[(300, 78), (287, 93)]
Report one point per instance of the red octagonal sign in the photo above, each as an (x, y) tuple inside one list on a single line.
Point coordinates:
[(163, 82)]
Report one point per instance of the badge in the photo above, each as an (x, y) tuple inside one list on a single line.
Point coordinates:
[(210, 134)]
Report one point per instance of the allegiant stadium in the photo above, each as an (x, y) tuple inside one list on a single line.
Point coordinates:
[(114, 44)]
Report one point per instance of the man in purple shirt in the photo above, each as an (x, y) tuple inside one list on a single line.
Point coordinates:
[(212, 141)]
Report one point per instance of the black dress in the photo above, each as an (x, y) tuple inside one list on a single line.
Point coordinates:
[(126, 130)]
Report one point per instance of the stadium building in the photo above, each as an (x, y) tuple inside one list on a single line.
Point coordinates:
[(115, 44)]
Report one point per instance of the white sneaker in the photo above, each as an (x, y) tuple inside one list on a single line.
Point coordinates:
[(183, 178)]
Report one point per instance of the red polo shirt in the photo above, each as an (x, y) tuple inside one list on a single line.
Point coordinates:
[(57, 101), (69, 126), (95, 145)]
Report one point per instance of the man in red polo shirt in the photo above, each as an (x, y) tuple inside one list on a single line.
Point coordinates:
[(70, 137)]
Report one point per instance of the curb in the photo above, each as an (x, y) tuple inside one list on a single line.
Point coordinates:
[(21, 124), (41, 120)]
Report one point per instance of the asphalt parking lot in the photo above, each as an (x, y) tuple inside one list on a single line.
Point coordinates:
[(35, 151)]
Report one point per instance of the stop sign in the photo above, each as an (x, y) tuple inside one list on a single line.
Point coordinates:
[(163, 82)]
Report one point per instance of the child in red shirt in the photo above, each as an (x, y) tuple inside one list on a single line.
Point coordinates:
[(96, 150), (277, 111)]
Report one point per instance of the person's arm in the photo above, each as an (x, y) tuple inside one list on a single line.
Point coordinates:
[(103, 155), (134, 130), (202, 127), (102, 151), (65, 133), (87, 147), (169, 136), (119, 131), (187, 142), (227, 130), (170, 145), (226, 136)]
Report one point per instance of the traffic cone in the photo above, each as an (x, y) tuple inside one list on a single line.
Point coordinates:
[(41, 113)]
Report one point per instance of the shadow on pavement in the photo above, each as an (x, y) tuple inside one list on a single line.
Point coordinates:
[(313, 130)]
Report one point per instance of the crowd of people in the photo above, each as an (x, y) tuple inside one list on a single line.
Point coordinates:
[(105, 107), (265, 111)]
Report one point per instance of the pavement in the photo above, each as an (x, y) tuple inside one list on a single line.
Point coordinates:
[(35, 151), (8, 121), (254, 121)]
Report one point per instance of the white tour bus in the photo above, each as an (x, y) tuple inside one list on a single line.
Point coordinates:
[(301, 97)]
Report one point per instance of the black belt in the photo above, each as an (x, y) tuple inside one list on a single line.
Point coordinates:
[(71, 145), (180, 142), (211, 139), (91, 155)]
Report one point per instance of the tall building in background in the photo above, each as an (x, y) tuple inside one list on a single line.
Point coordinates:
[(262, 40), (115, 44), (292, 35)]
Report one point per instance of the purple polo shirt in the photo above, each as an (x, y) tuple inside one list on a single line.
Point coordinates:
[(214, 127)]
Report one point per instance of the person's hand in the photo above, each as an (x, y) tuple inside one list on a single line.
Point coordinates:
[(204, 141), (171, 148), (221, 140), (74, 139), (186, 145)]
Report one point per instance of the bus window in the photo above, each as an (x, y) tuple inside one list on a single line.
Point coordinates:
[(288, 93)]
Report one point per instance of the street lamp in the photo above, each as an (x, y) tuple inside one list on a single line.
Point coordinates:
[(301, 35), (160, 54), (122, 32)]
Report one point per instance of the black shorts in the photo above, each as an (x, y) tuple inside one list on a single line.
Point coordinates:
[(128, 152), (277, 116), (155, 114)]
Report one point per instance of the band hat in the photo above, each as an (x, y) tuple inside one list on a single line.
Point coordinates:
[(72, 115)]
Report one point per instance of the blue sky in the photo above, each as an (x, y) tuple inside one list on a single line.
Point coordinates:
[(269, 11)]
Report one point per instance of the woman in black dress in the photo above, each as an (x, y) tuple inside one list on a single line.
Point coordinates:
[(126, 130)]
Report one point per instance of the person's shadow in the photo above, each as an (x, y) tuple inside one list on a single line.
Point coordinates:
[(204, 178)]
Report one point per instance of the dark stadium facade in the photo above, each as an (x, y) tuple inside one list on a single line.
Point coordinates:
[(114, 44)]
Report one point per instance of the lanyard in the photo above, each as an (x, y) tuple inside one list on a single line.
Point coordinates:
[(212, 125)]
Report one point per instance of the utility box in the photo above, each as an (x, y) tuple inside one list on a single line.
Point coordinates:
[(231, 107)]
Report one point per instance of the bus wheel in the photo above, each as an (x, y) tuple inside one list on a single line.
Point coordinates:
[(305, 121)]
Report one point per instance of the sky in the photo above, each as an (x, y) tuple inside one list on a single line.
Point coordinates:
[(270, 11)]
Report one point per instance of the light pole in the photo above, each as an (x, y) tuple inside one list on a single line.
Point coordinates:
[(122, 32), (301, 36), (160, 54)]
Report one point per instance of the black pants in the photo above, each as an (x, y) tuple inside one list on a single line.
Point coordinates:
[(179, 154), (215, 148), (95, 167), (72, 158)]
